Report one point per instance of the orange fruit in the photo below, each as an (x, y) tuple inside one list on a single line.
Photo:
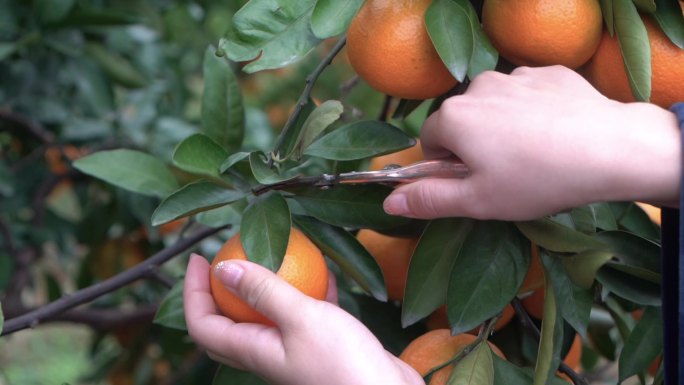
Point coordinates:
[(402, 158), (303, 267), (573, 358), (653, 212), (543, 32), (55, 157), (439, 320), (606, 69), (393, 255), (436, 347), (389, 47), (534, 304), (534, 278)]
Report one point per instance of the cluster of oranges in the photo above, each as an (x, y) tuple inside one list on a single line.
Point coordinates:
[(389, 47)]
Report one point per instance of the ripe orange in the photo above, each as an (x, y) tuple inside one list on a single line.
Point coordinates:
[(653, 212), (439, 320), (573, 358), (534, 304), (543, 32), (389, 47), (606, 69), (393, 255), (436, 347), (303, 267), (402, 158), (535, 273)]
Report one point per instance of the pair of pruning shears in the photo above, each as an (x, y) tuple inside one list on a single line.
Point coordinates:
[(391, 174)]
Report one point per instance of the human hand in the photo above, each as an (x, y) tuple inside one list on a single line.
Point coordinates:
[(315, 342), (540, 141)]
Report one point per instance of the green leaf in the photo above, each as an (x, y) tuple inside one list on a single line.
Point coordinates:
[(583, 267), (360, 140), (332, 17), (574, 303), (265, 230), (550, 343), (272, 33), (590, 217), (199, 154), (633, 250), (607, 12), (648, 6), (632, 218), (319, 119), (230, 214), (636, 51), (194, 198), (347, 253), (643, 345), (2, 319), (264, 174), (629, 287), (83, 16), (7, 49), (232, 160), (495, 257), (556, 237), (117, 68), (131, 170), (170, 312), (223, 115), (349, 206), (226, 375), (292, 136), (477, 368), (431, 266), (450, 31), (50, 11), (485, 56), (94, 89), (669, 17), (506, 373)]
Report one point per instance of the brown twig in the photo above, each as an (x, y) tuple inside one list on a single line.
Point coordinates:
[(107, 319), (20, 123), (87, 294)]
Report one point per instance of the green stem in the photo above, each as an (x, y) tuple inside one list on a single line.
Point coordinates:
[(304, 99)]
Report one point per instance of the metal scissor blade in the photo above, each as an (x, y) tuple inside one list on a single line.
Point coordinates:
[(435, 168)]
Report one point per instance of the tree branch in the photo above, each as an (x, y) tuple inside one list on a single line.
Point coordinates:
[(87, 294), (20, 123), (106, 319)]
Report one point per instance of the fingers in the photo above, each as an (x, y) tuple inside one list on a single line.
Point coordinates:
[(264, 291), (332, 296), (432, 198)]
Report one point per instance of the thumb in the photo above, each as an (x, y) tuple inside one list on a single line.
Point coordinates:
[(429, 198), (263, 290)]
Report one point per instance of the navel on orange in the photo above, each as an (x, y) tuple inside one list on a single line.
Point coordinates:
[(303, 267), (389, 47)]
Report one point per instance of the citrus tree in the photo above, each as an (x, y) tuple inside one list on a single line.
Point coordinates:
[(133, 132)]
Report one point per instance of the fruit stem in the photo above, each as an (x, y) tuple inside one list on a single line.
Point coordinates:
[(304, 98)]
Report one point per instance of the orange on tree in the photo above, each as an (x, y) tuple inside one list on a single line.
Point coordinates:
[(439, 320), (303, 267), (534, 303), (435, 348), (393, 255), (543, 32), (573, 358), (389, 47), (653, 212), (606, 69), (534, 278), (402, 158)]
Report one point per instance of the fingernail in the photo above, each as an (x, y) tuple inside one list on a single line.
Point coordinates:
[(396, 204), (229, 273)]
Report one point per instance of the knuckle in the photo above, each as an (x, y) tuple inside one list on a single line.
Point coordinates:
[(259, 292)]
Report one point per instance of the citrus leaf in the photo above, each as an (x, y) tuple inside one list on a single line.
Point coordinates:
[(170, 312), (636, 51), (264, 174), (551, 340), (2, 319), (199, 154), (590, 217), (226, 375), (270, 33), (232, 160), (431, 266), (193, 198), (485, 56), (230, 214), (643, 345), (629, 287), (7, 49), (349, 206), (117, 68), (347, 253), (450, 31), (556, 237), (265, 230), (495, 257), (638, 272), (131, 170), (574, 303), (50, 11), (634, 219), (607, 12), (319, 119), (669, 17), (223, 115), (583, 267), (360, 140), (332, 17), (477, 368), (506, 373), (292, 136), (633, 250)]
